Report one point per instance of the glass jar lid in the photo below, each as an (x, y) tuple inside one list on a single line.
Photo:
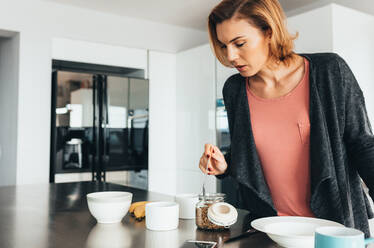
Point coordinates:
[(222, 214), (212, 197)]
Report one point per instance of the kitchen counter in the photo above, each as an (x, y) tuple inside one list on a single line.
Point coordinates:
[(56, 215)]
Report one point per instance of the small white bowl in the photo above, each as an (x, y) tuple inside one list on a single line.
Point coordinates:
[(161, 216), (109, 206)]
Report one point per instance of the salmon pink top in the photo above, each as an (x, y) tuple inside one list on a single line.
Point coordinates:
[(281, 130)]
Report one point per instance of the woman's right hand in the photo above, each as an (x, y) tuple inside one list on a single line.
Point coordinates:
[(217, 163)]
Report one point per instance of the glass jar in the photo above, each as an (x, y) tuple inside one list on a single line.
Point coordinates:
[(202, 220)]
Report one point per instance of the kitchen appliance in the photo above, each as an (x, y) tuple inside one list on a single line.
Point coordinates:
[(92, 106), (73, 154)]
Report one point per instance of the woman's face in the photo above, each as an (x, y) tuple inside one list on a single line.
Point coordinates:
[(244, 45)]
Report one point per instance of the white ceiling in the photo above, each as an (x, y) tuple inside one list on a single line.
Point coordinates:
[(193, 13)]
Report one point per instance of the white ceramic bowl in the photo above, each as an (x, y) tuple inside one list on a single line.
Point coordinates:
[(109, 206), (161, 216), (291, 231)]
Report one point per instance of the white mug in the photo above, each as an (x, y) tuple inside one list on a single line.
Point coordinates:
[(187, 205), (340, 237), (161, 216)]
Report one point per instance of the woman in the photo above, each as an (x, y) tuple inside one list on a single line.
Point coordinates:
[(300, 135)]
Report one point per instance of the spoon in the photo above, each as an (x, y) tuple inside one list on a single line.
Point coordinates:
[(206, 174), (248, 233)]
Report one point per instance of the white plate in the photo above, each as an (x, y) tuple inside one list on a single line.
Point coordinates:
[(291, 231)]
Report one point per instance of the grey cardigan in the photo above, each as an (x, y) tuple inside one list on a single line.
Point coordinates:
[(341, 146)]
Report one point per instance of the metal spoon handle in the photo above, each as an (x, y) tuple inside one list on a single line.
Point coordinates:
[(248, 233), (206, 174)]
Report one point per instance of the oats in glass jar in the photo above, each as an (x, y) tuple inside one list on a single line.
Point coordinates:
[(202, 220)]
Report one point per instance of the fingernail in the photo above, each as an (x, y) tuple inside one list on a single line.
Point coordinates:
[(207, 156), (209, 169)]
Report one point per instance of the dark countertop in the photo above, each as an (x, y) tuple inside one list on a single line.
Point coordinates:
[(56, 215)]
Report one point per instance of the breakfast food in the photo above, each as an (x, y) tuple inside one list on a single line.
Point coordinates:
[(202, 211), (202, 220), (136, 204), (139, 212), (137, 209)]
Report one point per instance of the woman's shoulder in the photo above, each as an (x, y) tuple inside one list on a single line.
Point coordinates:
[(325, 61), (333, 67), (233, 84), (336, 75), (334, 64)]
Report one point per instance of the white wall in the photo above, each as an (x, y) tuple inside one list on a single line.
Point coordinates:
[(64, 21), (9, 50), (41, 25), (184, 120), (195, 116), (34, 107), (314, 27), (353, 39), (98, 53), (162, 123)]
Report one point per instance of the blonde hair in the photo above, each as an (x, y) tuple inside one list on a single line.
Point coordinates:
[(266, 15)]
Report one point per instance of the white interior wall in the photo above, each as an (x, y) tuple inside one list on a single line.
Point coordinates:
[(195, 116), (34, 108), (162, 123), (353, 39), (52, 19), (42, 25), (185, 117), (314, 27), (9, 50), (98, 53)]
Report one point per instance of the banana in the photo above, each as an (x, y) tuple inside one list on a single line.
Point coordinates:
[(136, 204), (139, 212)]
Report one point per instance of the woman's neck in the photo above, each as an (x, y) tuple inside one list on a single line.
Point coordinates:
[(278, 81), (275, 76)]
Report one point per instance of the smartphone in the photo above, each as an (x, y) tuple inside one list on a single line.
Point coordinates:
[(198, 244)]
